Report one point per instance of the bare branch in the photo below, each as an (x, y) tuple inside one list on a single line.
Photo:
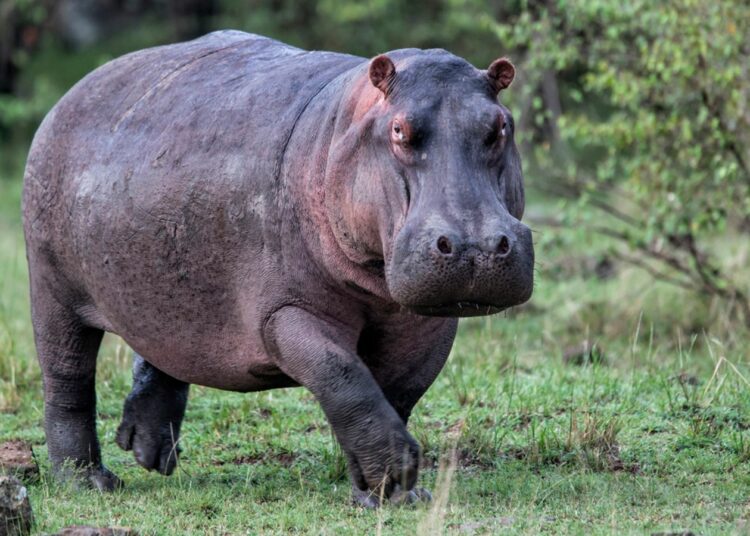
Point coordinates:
[(661, 276)]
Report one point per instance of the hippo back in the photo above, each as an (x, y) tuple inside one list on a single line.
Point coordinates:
[(153, 186)]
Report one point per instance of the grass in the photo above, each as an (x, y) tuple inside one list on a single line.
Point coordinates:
[(652, 436)]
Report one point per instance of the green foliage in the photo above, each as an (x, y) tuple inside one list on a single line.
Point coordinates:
[(14, 15), (642, 109), (365, 28)]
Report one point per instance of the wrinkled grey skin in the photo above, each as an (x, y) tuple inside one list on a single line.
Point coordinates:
[(247, 215)]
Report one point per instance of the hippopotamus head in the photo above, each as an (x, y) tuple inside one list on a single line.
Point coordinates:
[(428, 185)]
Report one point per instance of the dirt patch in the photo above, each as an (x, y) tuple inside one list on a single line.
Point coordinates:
[(466, 458), (483, 526), (615, 463), (470, 458), (584, 353), (315, 428), (247, 459), (685, 379), (600, 458), (85, 530), (17, 458), (286, 459)]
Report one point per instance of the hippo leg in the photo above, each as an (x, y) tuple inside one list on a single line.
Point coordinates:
[(382, 456), (152, 417), (405, 378), (67, 351), (405, 365)]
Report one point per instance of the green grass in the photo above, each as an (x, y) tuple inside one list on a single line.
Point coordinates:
[(654, 438)]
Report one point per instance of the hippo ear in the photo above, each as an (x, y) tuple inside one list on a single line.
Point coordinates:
[(382, 72), (501, 73)]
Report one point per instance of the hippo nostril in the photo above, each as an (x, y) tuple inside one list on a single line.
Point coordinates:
[(444, 245), (503, 246)]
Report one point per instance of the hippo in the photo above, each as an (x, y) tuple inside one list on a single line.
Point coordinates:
[(247, 215)]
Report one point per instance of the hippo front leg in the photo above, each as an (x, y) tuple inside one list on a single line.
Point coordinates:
[(152, 417), (383, 457)]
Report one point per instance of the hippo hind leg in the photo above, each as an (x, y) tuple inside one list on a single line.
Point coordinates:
[(67, 351), (152, 417)]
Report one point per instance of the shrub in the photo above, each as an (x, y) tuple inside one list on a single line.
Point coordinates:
[(641, 109)]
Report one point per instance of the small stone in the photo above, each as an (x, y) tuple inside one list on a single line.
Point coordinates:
[(15, 508), (17, 459)]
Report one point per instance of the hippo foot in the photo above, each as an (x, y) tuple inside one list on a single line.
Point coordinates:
[(154, 445), (93, 477), (152, 416), (103, 479), (398, 497)]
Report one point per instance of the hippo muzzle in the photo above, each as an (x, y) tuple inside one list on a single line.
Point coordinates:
[(438, 269)]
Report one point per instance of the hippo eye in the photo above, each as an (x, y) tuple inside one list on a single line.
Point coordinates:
[(398, 132), (492, 136), (497, 134)]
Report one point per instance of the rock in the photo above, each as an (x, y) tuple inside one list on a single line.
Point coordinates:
[(15, 508), (86, 530), (17, 459)]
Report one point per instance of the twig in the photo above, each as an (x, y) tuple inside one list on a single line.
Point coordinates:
[(655, 273)]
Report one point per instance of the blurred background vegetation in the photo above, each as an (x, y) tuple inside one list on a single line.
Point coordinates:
[(633, 115)]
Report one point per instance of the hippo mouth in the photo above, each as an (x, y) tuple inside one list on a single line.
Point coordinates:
[(458, 309)]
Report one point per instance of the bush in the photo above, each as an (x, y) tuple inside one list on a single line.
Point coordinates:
[(641, 109)]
